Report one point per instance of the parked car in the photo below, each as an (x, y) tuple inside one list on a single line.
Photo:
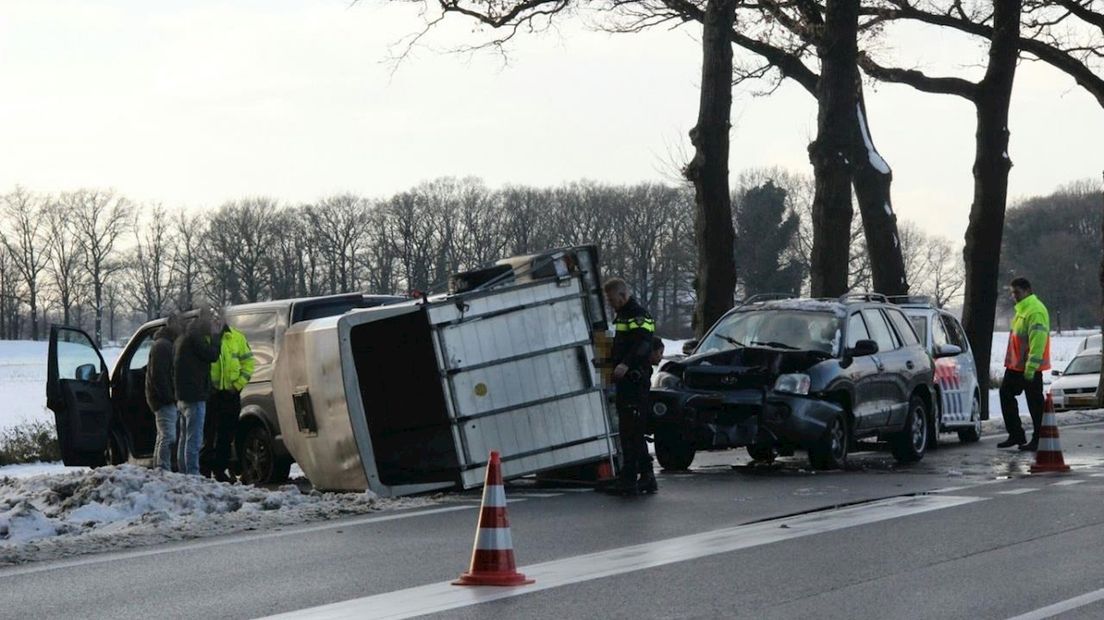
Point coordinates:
[(1075, 387), (1092, 342), (102, 418), (956, 380), (778, 375)]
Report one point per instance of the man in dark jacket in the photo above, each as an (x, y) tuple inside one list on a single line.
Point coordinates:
[(160, 394), (193, 355), (632, 350)]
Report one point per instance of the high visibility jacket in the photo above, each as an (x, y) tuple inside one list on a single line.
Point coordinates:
[(633, 332), (1029, 340), (234, 367)]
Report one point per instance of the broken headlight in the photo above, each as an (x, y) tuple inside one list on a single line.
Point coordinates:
[(796, 383), (665, 381)]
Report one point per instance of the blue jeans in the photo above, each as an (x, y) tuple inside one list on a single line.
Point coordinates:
[(192, 439), (166, 436)]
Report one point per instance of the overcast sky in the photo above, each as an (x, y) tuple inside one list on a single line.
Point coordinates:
[(193, 102)]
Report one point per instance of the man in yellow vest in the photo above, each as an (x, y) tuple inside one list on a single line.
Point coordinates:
[(1028, 355), (229, 375)]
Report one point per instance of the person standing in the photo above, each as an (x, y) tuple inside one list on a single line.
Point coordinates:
[(632, 349), (194, 352), (229, 375), (1028, 355), (160, 394)]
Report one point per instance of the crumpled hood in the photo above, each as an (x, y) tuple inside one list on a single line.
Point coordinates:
[(745, 368)]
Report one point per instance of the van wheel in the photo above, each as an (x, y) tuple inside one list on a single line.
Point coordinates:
[(762, 453), (259, 464), (831, 451), (673, 451), (908, 446), (972, 434)]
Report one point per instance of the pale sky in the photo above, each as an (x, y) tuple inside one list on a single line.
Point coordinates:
[(194, 102)]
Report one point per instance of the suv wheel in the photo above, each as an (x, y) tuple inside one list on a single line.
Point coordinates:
[(831, 452), (909, 445), (259, 463), (972, 434), (673, 451), (764, 453)]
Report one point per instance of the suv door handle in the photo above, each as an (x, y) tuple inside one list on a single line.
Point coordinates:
[(910, 365)]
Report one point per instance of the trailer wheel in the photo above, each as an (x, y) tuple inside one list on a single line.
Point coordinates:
[(259, 463), (673, 451)]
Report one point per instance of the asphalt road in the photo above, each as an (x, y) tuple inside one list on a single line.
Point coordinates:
[(964, 534)]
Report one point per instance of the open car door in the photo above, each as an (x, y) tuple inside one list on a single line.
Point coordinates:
[(77, 392)]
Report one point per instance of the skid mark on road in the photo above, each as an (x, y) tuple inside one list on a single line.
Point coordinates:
[(440, 597)]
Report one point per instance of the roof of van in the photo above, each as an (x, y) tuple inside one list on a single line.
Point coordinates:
[(284, 303)]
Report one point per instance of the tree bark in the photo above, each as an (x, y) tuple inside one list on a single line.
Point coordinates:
[(991, 167), (708, 171), (836, 117), (1100, 383), (872, 178)]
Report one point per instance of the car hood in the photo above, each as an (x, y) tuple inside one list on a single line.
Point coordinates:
[(1075, 381), (745, 368)]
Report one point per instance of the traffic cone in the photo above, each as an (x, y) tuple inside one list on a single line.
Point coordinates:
[(1048, 457), (492, 562)]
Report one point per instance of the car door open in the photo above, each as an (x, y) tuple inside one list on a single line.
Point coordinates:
[(77, 392)]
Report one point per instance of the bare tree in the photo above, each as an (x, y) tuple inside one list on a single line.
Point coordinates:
[(187, 236), (63, 266), (340, 223), (99, 219), (153, 273), (25, 241)]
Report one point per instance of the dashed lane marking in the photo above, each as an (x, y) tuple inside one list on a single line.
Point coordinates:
[(1064, 606), (1016, 491), (1066, 483)]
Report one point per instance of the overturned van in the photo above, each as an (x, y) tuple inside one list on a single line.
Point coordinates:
[(412, 397)]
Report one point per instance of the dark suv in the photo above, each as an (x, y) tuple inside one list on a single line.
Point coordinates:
[(102, 417), (797, 373)]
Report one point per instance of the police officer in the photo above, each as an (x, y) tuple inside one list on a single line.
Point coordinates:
[(632, 350)]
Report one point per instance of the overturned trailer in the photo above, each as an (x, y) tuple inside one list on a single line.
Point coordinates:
[(412, 397)]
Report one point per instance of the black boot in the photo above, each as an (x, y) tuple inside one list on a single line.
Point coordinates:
[(1013, 440), (647, 483), (1030, 446)]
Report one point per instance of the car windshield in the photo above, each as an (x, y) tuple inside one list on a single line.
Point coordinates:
[(1084, 365), (795, 330)]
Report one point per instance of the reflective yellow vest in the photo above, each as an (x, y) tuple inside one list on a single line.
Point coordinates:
[(234, 367), (1029, 341)]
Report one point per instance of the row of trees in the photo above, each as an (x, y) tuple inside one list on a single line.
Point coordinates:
[(95, 259)]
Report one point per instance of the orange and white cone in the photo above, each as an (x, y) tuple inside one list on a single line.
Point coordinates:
[(492, 562), (1048, 456)]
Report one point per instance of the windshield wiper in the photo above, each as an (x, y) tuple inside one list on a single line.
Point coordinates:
[(731, 341), (775, 345)]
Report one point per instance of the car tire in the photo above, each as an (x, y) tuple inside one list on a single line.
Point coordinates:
[(258, 460), (673, 451), (972, 434), (831, 451), (763, 453), (908, 446)]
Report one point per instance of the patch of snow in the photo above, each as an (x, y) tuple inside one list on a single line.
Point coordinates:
[(27, 470), (56, 515), (875, 159)]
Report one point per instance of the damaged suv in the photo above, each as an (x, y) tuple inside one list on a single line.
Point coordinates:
[(779, 375)]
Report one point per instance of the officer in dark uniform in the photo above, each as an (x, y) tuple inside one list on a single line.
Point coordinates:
[(632, 350)]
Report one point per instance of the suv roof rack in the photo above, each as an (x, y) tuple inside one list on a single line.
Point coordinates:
[(911, 300), (846, 297), (761, 297)]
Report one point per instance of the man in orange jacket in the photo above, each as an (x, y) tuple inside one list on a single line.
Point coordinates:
[(1027, 357)]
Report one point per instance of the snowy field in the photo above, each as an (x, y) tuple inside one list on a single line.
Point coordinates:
[(61, 514), (23, 381)]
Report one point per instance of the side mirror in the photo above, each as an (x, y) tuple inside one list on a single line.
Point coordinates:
[(947, 350), (689, 346), (85, 372), (864, 347), (1056, 372)]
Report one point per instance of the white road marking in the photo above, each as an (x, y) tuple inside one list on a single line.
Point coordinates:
[(536, 495), (1064, 606), (439, 597), (1066, 483), (949, 489), (1017, 491), (292, 531), (1096, 475)]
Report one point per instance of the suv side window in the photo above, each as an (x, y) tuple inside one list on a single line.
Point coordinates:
[(904, 328), (939, 334), (260, 331), (954, 332), (880, 331), (856, 330)]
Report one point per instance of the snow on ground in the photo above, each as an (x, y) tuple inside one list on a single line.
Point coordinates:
[(110, 508), (23, 381)]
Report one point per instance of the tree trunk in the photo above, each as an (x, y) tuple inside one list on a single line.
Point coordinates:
[(872, 178), (991, 166), (33, 291), (716, 273), (1100, 384), (837, 114)]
